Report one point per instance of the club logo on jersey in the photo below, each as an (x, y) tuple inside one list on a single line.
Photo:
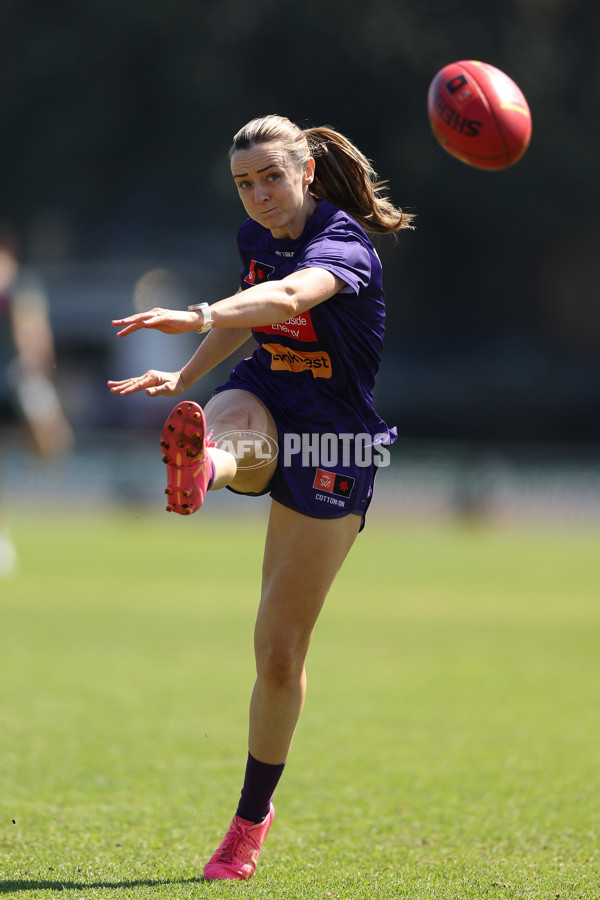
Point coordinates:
[(258, 272), (284, 358), (298, 327), (332, 483)]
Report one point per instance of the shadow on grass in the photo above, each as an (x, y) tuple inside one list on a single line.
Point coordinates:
[(11, 887)]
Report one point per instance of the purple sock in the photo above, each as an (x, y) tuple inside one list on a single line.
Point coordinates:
[(259, 786), (211, 480)]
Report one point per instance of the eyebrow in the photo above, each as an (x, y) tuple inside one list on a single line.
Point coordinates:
[(264, 169)]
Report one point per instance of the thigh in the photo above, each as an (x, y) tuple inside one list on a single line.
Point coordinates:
[(302, 558), (239, 418)]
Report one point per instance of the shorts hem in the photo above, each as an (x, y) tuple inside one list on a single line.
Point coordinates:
[(341, 514), (295, 508), (262, 493)]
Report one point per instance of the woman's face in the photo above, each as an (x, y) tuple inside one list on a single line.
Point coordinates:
[(273, 189)]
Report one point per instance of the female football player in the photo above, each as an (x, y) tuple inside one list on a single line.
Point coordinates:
[(300, 408)]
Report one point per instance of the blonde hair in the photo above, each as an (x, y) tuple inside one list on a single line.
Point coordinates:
[(343, 175)]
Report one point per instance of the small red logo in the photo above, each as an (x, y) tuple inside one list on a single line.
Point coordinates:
[(258, 272), (332, 483)]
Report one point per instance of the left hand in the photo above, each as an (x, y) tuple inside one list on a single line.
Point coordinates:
[(169, 321), (154, 383)]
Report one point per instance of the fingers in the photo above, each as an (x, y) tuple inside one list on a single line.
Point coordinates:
[(169, 321), (128, 386), (127, 330), (163, 390), (136, 323), (167, 384)]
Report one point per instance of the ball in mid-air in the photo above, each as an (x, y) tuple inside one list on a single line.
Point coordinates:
[(479, 115)]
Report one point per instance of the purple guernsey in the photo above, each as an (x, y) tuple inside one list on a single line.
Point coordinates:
[(321, 364), (316, 372)]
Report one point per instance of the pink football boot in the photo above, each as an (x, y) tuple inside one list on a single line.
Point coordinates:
[(238, 852), (190, 470)]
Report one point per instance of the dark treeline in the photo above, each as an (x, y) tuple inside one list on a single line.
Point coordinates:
[(117, 117)]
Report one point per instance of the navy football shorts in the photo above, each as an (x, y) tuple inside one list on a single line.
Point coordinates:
[(318, 478)]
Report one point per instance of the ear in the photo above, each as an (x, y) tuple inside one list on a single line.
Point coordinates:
[(309, 171)]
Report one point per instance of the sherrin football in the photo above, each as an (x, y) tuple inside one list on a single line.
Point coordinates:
[(479, 115)]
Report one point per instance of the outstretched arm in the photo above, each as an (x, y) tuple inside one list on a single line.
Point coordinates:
[(263, 304), (216, 346), (233, 319)]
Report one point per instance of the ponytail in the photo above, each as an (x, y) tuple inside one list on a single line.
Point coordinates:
[(343, 175)]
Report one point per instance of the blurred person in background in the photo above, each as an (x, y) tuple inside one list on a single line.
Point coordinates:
[(27, 361)]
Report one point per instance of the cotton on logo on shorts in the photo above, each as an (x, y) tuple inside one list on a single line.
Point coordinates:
[(245, 445)]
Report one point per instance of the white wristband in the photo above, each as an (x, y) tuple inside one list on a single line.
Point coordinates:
[(207, 322)]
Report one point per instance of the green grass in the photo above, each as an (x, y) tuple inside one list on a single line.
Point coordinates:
[(449, 748)]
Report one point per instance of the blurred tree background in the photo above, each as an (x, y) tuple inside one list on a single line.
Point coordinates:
[(117, 117)]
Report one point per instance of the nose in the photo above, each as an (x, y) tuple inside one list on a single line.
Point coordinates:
[(261, 193)]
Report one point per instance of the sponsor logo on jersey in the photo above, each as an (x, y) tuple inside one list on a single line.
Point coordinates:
[(258, 272), (332, 483), (298, 327), (284, 358)]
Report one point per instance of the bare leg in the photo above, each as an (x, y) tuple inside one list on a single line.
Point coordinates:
[(242, 413), (302, 558)]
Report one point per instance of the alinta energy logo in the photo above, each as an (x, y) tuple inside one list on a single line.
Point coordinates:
[(310, 450)]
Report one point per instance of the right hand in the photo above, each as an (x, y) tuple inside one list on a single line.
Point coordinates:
[(169, 321), (156, 384)]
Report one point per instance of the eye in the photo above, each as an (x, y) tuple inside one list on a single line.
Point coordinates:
[(242, 185), (273, 176)]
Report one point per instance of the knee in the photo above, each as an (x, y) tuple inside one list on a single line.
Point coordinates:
[(236, 418), (225, 413), (280, 663)]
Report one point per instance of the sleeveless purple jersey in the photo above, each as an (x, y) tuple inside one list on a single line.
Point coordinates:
[(317, 370)]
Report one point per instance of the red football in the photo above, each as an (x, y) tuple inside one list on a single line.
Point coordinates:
[(478, 114)]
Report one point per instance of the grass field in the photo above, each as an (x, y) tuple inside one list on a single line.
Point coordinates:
[(449, 748)]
